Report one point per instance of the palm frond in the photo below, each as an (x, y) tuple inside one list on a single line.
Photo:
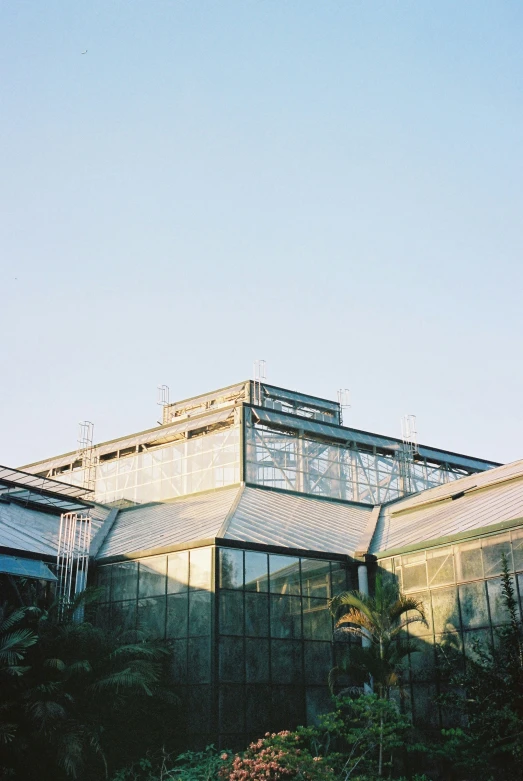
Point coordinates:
[(55, 664), (7, 732), (13, 645), (357, 618), (147, 651), (125, 679), (7, 622)]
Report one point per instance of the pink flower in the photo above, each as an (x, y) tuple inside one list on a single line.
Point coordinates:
[(224, 756)]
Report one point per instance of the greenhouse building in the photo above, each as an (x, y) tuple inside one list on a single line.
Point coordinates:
[(228, 527)]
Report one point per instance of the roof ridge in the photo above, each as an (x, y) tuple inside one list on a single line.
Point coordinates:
[(222, 531)]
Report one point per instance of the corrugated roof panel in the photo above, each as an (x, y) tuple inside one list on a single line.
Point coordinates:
[(294, 521), (172, 523), (23, 528), (488, 498)]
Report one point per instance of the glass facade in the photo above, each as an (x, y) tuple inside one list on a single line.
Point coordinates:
[(295, 463), (169, 597), (274, 633), (183, 467), (251, 632), (460, 588)]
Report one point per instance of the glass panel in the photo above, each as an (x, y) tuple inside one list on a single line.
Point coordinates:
[(257, 661), (319, 702), (498, 611), (258, 709), (232, 709), (473, 602), (256, 615), (425, 711), (422, 664), (103, 581), (125, 580), (231, 568), (492, 552), (256, 571), (440, 566), (339, 578), (200, 568), (414, 572), (286, 662), (231, 659), (179, 661), (285, 574), (200, 613), (317, 622), (449, 654), (288, 707), (418, 629), (199, 660), (151, 616), (315, 578), (318, 662), (470, 565), (209, 461), (199, 711), (177, 615), (124, 614), (178, 572), (231, 613), (445, 610), (103, 616), (152, 576), (517, 549), (285, 616)]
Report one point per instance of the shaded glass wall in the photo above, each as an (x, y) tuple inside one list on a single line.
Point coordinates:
[(170, 596), (460, 587), (274, 633), (251, 631)]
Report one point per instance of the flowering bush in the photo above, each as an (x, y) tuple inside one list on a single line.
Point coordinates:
[(277, 757)]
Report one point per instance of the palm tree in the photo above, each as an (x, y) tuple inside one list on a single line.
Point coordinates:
[(380, 622)]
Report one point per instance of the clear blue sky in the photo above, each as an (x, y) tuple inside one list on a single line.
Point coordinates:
[(333, 186)]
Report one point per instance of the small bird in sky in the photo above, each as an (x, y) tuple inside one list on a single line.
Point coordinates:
[(85, 52)]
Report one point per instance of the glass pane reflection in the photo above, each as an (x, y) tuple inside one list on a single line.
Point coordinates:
[(284, 575)]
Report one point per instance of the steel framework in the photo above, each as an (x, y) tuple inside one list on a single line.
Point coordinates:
[(74, 541)]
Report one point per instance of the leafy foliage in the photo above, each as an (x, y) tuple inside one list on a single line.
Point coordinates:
[(489, 744), (190, 766), (89, 699), (364, 730)]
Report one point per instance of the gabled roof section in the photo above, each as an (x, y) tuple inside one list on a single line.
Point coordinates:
[(291, 520), (244, 514), (153, 527), (474, 502)]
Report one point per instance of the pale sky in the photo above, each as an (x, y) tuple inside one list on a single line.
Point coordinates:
[(335, 187)]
